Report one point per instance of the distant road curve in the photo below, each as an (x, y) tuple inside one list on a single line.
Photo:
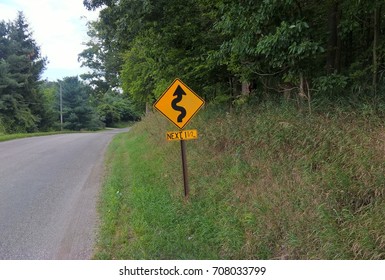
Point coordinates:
[(49, 188)]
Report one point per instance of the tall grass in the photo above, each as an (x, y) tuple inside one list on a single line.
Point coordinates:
[(266, 183)]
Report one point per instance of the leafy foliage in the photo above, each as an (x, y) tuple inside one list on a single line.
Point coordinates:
[(267, 46), (115, 108)]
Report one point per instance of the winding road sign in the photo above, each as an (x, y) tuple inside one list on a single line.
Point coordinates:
[(179, 103)]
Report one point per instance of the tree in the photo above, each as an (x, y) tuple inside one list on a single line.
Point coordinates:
[(77, 111), (145, 44), (227, 49), (115, 108), (100, 60), (21, 65), (49, 92)]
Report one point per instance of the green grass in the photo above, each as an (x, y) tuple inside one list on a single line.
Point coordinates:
[(266, 183), (7, 137)]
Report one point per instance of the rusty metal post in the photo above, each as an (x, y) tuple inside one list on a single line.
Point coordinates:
[(184, 167)]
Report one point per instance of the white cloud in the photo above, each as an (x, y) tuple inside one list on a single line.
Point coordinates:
[(59, 28)]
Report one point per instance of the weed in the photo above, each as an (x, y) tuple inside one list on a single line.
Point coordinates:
[(266, 183)]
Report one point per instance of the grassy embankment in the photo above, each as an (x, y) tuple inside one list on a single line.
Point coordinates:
[(7, 137), (266, 183)]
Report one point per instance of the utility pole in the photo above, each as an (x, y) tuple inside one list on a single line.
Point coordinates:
[(61, 107)]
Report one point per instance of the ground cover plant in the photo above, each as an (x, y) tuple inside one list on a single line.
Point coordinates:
[(268, 182)]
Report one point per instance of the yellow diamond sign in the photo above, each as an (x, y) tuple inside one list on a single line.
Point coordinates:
[(179, 103)]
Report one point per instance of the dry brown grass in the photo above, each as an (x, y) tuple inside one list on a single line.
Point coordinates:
[(273, 183)]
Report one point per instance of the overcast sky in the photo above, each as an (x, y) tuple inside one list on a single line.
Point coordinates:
[(59, 28)]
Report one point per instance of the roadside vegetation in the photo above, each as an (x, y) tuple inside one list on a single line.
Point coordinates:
[(267, 182), (31, 105), (6, 137), (290, 159)]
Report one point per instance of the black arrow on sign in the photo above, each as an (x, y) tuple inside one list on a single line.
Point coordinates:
[(179, 92)]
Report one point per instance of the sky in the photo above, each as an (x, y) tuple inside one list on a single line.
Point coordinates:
[(59, 28)]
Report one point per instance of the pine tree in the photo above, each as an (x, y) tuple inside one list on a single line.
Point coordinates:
[(77, 111), (21, 66)]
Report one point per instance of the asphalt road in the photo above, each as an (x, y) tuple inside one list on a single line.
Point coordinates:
[(49, 188)]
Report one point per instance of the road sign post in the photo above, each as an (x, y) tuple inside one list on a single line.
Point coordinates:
[(184, 168), (179, 104)]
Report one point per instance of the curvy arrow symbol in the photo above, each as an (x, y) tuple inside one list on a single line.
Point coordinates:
[(179, 92)]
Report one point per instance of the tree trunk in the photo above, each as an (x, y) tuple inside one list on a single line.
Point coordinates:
[(304, 90), (337, 60), (233, 85), (333, 37), (245, 89), (148, 108), (376, 32)]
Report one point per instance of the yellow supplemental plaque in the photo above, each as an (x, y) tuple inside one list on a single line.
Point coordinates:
[(182, 135)]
